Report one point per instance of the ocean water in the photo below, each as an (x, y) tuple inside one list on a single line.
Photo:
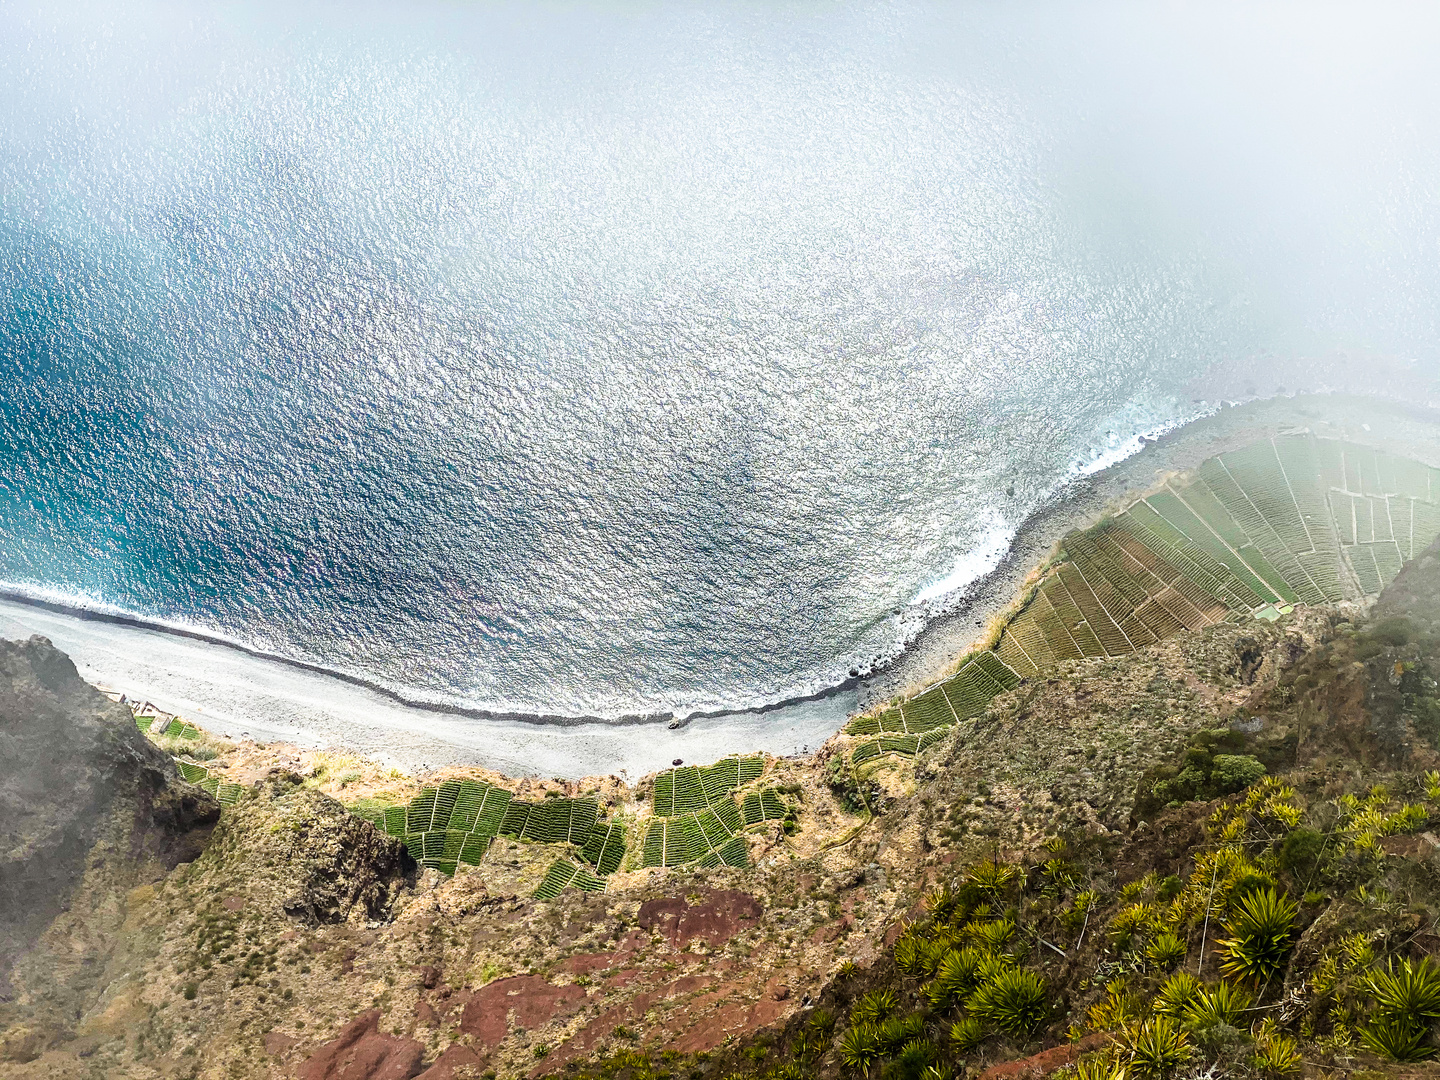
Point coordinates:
[(615, 359)]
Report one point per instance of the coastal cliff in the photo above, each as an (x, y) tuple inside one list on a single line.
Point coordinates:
[(91, 813), (303, 941), (1211, 852)]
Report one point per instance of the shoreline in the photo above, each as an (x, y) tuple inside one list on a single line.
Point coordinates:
[(1411, 430), (239, 690)]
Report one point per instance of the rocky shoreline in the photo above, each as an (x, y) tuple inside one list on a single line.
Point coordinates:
[(235, 694)]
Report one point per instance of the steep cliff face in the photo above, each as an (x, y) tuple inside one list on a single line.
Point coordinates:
[(89, 810), (303, 942)]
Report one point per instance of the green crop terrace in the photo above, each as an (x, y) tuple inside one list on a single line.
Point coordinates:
[(1294, 519)]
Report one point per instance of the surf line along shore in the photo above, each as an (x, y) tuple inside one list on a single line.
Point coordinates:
[(230, 692)]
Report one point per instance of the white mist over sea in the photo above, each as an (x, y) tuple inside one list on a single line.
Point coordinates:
[(602, 359)]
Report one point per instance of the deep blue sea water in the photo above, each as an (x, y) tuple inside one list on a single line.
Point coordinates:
[(601, 359)]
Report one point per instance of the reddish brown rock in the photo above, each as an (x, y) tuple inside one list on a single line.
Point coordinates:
[(528, 998), (449, 1065), (1045, 1062), (278, 1045), (584, 963), (363, 1052), (721, 915)]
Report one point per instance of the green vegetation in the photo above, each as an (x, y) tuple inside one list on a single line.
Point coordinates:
[(697, 819), (455, 823), (1250, 532)]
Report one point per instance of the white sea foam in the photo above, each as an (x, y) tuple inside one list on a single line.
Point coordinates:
[(975, 563)]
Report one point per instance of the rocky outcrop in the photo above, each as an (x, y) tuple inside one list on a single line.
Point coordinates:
[(362, 1052), (83, 794)]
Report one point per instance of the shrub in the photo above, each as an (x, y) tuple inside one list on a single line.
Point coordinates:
[(1230, 773), (1155, 1048), (859, 1047), (874, 1007), (1300, 851), (1276, 1056), (967, 1034), (1260, 936), (1166, 950), (1014, 1001), (1219, 1004), (1176, 996)]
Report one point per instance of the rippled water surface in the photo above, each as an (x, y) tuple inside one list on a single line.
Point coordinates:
[(628, 358)]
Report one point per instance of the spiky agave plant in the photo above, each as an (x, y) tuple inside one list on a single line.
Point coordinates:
[(1219, 1004), (1396, 1039), (1155, 1047), (955, 978), (967, 1034), (1276, 1056), (874, 1006), (1179, 991), (1261, 933), (1014, 1001), (1166, 950), (860, 1047)]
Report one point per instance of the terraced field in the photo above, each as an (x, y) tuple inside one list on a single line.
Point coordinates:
[(697, 819), (1294, 519), (226, 793)]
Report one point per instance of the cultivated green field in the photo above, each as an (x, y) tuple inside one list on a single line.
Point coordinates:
[(1294, 519)]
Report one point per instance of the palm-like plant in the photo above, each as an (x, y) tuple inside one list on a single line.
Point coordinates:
[(1396, 1039), (993, 876), (1407, 1000), (1166, 950), (1014, 1001), (955, 978), (1220, 1004), (966, 1034), (911, 1061), (1176, 996), (1156, 1047), (874, 1007), (1099, 1067), (859, 1047), (897, 1031), (1406, 991), (991, 937), (1261, 933), (1276, 1056)]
